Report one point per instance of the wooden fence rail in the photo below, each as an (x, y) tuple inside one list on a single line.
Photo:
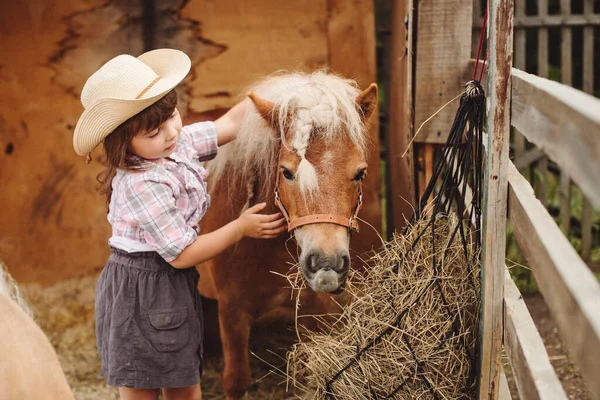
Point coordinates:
[(564, 123), (569, 287), (534, 375)]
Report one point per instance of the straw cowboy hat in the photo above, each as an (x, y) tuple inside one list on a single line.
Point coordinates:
[(123, 87)]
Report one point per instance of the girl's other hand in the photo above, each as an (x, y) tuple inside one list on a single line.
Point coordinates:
[(260, 226)]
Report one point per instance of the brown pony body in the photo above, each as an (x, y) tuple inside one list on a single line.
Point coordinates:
[(30, 368), (307, 139)]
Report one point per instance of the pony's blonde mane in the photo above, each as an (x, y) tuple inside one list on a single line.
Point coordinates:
[(9, 287), (317, 104)]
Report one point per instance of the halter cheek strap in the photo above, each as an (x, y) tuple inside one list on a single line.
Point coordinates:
[(350, 223)]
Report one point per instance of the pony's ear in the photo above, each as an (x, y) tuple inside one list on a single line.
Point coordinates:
[(367, 100), (267, 109)]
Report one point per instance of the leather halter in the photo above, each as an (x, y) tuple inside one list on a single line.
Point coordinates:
[(350, 223)]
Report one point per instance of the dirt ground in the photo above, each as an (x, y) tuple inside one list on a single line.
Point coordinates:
[(65, 313), (569, 376)]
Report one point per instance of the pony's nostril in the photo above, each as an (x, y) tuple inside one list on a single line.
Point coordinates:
[(343, 262), (312, 263)]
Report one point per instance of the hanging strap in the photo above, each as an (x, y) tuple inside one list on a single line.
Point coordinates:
[(481, 35)]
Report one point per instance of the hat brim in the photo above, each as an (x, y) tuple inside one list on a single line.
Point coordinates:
[(104, 116)]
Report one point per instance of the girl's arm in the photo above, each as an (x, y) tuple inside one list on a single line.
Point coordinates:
[(229, 124), (250, 224)]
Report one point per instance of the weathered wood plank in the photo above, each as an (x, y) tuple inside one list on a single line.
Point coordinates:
[(564, 123), (442, 58), (520, 63), (542, 193), (565, 202), (569, 287), (548, 21), (566, 47), (542, 41), (566, 66), (500, 41), (588, 50), (476, 27), (542, 70), (528, 158), (586, 230), (52, 222), (402, 181), (504, 392), (588, 87), (244, 41), (534, 375)]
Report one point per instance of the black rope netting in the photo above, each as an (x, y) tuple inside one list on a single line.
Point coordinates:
[(456, 186)]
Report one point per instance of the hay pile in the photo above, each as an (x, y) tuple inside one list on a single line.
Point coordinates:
[(429, 354)]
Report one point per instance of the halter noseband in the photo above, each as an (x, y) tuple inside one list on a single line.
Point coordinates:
[(350, 223)]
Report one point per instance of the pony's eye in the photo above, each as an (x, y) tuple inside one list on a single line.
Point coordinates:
[(360, 176), (287, 174)]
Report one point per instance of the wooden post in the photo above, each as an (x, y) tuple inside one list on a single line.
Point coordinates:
[(500, 39), (443, 55), (566, 54), (520, 63), (588, 87), (401, 177), (542, 189)]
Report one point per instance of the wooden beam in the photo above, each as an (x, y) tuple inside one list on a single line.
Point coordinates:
[(525, 159), (520, 62), (564, 123), (566, 47), (534, 375), (443, 52), (402, 180), (500, 39), (549, 21), (558, 20), (569, 287)]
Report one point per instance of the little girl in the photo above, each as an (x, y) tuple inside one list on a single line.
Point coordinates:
[(149, 324)]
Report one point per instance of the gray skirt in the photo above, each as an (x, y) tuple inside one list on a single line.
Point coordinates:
[(149, 324)]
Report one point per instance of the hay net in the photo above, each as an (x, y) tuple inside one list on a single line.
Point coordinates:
[(411, 330)]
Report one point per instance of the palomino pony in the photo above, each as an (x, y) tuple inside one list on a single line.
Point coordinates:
[(303, 149), (30, 368)]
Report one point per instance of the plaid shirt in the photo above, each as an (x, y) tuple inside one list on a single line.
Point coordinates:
[(160, 207)]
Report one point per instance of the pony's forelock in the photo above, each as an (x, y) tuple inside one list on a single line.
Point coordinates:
[(316, 104)]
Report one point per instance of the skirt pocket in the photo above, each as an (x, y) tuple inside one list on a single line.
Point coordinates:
[(168, 330)]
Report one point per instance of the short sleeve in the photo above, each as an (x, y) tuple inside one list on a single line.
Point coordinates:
[(151, 203), (203, 138)]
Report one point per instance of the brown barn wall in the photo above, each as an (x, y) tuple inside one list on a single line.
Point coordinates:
[(52, 223)]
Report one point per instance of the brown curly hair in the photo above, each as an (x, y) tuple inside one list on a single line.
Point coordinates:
[(116, 145)]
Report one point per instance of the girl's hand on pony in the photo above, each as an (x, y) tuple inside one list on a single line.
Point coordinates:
[(260, 226)]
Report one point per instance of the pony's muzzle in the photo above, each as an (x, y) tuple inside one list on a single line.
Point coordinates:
[(326, 272)]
